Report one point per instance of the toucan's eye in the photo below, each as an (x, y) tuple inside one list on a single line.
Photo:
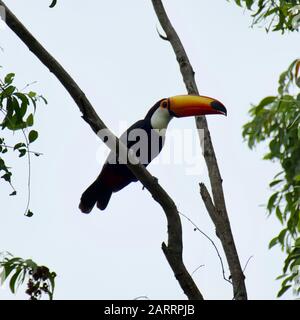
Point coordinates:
[(164, 104)]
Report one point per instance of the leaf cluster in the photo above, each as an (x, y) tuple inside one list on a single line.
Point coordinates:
[(17, 111), (39, 279), (276, 121), (276, 15)]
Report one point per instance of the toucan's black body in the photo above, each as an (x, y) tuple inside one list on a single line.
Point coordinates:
[(114, 175)]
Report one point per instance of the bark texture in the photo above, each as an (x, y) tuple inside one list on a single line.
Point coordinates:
[(215, 204)]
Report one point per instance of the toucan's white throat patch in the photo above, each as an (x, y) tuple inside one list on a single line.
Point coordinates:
[(160, 120)]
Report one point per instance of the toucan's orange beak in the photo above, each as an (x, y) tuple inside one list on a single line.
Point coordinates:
[(188, 105)]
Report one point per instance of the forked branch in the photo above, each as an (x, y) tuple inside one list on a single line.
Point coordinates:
[(216, 204)]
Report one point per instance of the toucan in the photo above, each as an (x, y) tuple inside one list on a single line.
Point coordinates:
[(115, 175)]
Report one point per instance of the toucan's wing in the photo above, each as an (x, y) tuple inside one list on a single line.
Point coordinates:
[(145, 142), (131, 138)]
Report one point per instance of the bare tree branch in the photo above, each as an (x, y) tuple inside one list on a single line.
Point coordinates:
[(173, 250), (217, 207)]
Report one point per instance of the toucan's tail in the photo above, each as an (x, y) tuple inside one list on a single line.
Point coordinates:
[(96, 192)]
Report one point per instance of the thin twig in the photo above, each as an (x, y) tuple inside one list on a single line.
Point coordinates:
[(201, 266), (141, 297), (245, 267), (212, 242), (28, 85), (29, 175), (30, 151), (162, 36), (247, 263)]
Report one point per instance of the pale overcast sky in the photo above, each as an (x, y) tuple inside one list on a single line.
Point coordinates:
[(112, 49)]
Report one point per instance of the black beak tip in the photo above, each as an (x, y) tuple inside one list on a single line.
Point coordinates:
[(219, 107)]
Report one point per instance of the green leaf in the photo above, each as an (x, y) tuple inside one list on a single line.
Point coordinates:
[(7, 176), (283, 290), (278, 174), (22, 97), (275, 147), (9, 78), (7, 269), (32, 94), (14, 260), (29, 214), (31, 264), (33, 101), (279, 214), (266, 101), (273, 242), (52, 282), (249, 4), (22, 152), (281, 236), (8, 91), (23, 109), (29, 120), (19, 145), (33, 135), (297, 243), (53, 4), (271, 201), (281, 277), (295, 265), (2, 276), (14, 278), (45, 101), (274, 183)]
